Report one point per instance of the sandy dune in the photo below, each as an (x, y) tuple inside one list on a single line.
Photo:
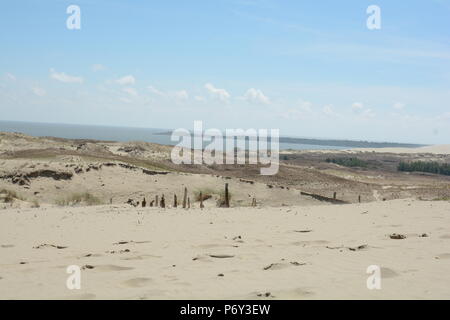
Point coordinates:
[(241, 253), (434, 149), (297, 243)]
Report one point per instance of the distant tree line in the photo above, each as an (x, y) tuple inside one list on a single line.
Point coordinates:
[(348, 162), (425, 166)]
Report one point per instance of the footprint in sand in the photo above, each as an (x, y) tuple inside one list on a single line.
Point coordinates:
[(141, 257), (388, 273), (129, 242), (443, 256), (279, 266), (107, 267), (86, 296), (298, 293), (45, 245), (221, 256), (138, 282), (112, 267), (308, 243), (92, 255), (213, 245)]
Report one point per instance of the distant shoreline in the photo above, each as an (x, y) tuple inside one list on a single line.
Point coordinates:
[(336, 143), (162, 136)]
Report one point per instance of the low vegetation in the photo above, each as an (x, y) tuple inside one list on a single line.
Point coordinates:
[(8, 196), (85, 198), (348, 162), (425, 166), (208, 193)]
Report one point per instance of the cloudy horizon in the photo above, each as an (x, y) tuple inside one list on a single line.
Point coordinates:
[(311, 71)]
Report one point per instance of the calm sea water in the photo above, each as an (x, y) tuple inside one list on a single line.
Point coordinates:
[(71, 131)]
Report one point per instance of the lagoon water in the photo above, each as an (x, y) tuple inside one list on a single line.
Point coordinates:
[(123, 134)]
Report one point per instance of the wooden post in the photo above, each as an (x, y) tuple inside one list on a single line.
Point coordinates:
[(189, 203), (175, 203), (334, 195), (201, 201), (227, 197), (151, 203), (163, 202), (254, 202), (144, 203), (156, 201), (359, 198), (184, 198)]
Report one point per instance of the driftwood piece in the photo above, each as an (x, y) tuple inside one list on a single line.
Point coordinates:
[(184, 198)]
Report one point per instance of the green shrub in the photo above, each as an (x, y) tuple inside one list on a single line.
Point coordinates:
[(79, 198), (348, 162), (8, 196), (425, 166)]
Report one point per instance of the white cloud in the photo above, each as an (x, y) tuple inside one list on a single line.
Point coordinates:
[(130, 91), (302, 110), (181, 95), (155, 91), (256, 96), (305, 106), (399, 106), (38, 91), (199, 98), (125, 100), (220, 94), (126, 80), (361, 110), (98, 67), (328, 110), (62, 77), (443, 117), (11, 77), (367, 114), (357, 106)]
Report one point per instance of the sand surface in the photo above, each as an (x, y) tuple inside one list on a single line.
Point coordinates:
[(309, 252), (433, 149)]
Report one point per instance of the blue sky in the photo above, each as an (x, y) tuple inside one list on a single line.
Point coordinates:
[(310, 68)]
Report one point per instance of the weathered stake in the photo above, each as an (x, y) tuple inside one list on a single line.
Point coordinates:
[(163, 202), (201, 201), (227, 197), (184, 198)]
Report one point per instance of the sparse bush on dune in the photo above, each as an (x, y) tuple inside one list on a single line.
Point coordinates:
[(8, 196), (425, 166), (348, 162), (35, 204), (208, 193), (85, 198)]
